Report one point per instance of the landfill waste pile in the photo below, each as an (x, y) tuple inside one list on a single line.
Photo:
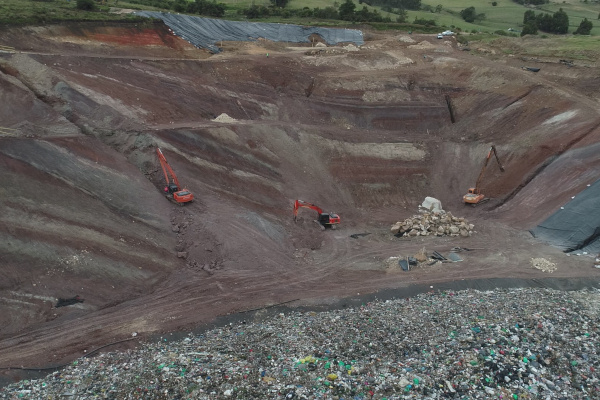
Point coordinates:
[(501, 344), (433, 223)]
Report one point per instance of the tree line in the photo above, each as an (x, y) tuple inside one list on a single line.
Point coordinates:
[(202, 7), (557, 23), (347, 11)]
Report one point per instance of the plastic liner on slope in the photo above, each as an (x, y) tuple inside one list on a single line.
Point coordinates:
[(206, 32), (576, 225)]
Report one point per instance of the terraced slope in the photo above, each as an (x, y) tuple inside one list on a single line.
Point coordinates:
[(366, 133)]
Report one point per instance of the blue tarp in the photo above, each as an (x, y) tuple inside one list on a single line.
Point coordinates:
[(576, 225), (206, 32)]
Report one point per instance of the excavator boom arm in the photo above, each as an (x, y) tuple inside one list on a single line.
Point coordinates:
[(301, 203), (167, 168), (487, 160)]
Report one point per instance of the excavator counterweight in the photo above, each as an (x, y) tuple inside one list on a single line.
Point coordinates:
[(323, 218), (173, 190), (474, 195)]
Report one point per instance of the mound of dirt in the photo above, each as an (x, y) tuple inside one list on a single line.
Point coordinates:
[(224, 118)]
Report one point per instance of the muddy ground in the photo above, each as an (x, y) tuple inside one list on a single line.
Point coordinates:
[(366, 133)]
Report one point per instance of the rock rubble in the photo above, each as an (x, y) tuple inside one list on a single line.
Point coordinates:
[(503, 344), (436, 223)]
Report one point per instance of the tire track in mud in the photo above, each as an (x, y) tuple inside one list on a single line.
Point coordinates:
[(337, 257)]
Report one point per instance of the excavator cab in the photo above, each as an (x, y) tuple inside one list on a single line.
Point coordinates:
[(473, 196), (329, 219), (171, 188)]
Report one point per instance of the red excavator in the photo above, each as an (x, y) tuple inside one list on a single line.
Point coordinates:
[(474, 196), (324, 219), (173, 190)]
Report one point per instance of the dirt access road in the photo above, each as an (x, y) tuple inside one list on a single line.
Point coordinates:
[(366, 133)]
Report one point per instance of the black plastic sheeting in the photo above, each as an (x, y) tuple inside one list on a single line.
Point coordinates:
[(575, 227), (206, 32)]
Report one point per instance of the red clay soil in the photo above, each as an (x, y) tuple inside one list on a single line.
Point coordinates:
[(367, 134)]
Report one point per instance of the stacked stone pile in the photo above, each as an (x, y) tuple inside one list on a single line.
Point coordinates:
[(433, 223)]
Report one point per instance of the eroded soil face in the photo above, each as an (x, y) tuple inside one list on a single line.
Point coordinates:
[(366, 134)]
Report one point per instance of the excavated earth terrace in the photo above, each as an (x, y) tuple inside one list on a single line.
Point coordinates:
[(367, 133)]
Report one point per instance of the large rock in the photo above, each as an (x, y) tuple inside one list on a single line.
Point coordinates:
[(396, 228), (432, 205)]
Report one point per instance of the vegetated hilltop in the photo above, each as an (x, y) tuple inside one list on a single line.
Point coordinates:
[(367, 133), (505, 17)]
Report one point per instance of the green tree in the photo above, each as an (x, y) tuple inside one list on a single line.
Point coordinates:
[(544, 22), (468, 14), (585, 27), (402, 16), (423, 21), (180, 5), (88, 5), (346, 10), (438, 8), (560, 21), (529, 16), (410, 4), (326, 13), (280, 3), (530, 28)]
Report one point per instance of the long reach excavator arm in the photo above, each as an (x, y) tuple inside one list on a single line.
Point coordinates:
[(173, 190), (474, 196)]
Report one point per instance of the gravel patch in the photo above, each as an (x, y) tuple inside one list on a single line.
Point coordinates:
[(501, 344)]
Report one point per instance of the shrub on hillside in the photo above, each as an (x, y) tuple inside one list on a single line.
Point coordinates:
[(470, 15), (585, 27), (88, 5), (530, 28), (556, 23), (533, 2), (423, 21)]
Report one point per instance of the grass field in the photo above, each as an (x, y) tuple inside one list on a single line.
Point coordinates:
[(28, 12), (506, 14)]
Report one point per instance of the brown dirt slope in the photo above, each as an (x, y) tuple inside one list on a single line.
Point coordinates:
[(367, 134)]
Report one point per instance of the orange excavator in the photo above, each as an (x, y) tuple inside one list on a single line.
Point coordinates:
[(324, 219), (474, 196), (173, 190)]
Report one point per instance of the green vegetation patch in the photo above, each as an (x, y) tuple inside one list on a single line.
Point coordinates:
[(36, 12)]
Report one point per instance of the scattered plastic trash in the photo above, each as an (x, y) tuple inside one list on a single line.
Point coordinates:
[(454, 257), (498, 344)]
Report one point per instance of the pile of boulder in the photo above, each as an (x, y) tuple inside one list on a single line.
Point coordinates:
[(433, 220), (433, 223)]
